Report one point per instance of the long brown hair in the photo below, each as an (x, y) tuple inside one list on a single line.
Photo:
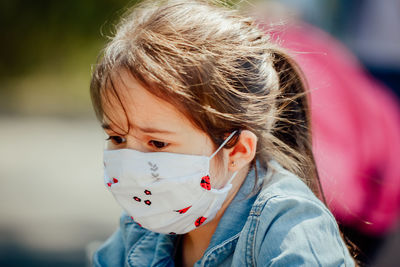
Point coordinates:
[(220, 70)]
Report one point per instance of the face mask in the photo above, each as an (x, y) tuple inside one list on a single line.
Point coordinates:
[(164, 192)]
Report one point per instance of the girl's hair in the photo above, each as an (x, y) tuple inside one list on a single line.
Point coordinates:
[(220, 70)]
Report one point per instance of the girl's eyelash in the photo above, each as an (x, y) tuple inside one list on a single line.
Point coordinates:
[(116, 139), (158, 144)]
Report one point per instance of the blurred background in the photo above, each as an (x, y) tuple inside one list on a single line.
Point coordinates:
[(53, 204), (54, 209)]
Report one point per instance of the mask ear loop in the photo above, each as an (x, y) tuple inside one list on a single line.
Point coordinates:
[(223, 143), (220, 147)]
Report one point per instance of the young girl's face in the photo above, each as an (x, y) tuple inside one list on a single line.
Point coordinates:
[(154, 126)]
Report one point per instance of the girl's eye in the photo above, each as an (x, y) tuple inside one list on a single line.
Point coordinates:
[(158, 144), (116, 140)]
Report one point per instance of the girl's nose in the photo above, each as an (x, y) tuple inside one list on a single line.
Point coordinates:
[(134, 143)]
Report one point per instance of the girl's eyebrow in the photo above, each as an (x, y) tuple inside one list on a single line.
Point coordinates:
[(154, 130), (106, 126)]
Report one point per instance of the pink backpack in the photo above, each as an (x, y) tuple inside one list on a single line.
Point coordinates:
[(356, 131)]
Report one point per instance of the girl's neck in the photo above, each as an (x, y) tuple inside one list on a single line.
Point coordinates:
[(194, 244)]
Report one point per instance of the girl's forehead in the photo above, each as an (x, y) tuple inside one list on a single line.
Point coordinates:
[(129, 104)]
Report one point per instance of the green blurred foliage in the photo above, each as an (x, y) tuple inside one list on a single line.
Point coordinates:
[(47, 48), (46, 52), (37, 31)]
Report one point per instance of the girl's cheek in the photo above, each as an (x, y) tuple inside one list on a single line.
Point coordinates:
[(109, 145)]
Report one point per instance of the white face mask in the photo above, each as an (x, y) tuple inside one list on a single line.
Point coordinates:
[(164, 192)]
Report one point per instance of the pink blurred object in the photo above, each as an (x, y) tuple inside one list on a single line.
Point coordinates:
[(356, 131)]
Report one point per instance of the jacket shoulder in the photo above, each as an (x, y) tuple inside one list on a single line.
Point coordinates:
[(294, 227)]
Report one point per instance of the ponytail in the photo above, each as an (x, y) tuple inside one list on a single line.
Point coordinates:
[(292, 129)]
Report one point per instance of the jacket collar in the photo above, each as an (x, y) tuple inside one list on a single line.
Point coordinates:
[(153, 249)]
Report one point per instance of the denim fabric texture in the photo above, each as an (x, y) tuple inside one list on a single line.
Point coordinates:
[(283, 224)]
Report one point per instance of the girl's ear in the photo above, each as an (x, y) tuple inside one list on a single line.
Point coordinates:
[(243, 152)]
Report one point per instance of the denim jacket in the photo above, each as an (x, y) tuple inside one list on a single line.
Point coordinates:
[(282, 225)]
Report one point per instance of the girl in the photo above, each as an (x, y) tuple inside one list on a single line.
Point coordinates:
[(209, 149)]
